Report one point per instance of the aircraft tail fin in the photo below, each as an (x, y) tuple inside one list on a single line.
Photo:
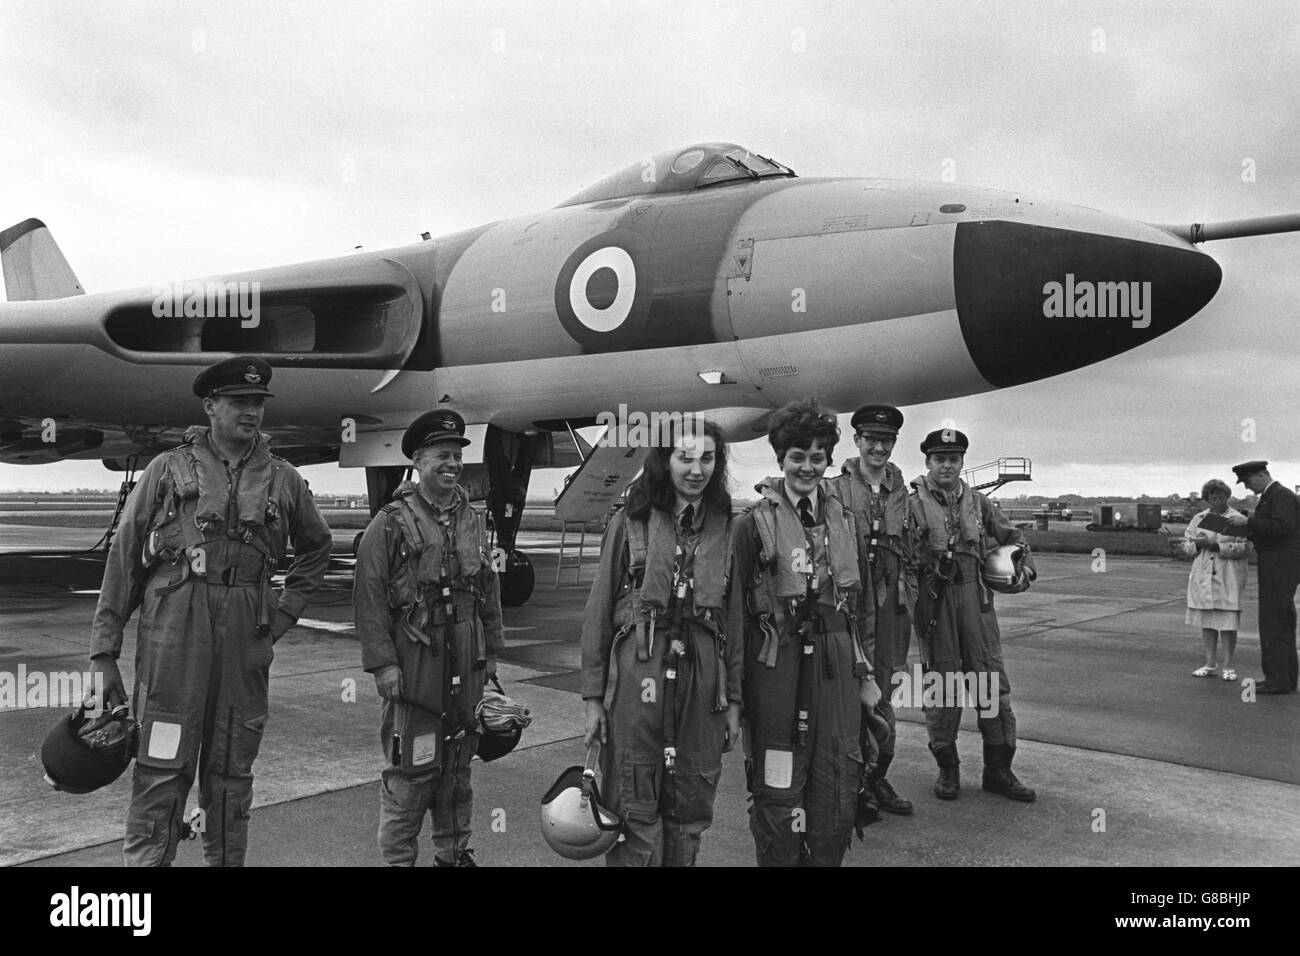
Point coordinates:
[(34, 268)]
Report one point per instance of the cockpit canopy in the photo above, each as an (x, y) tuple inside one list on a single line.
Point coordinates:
[(682, 170)]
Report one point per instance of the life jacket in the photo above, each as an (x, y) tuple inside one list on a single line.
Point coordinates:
[(195, 506), (439, 664), (776, 588), (933, 519), (709, 571), (417, 576), (643, 603), (891, 511), (853, 491)]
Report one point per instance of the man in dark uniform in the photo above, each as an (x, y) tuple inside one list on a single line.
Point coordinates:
[(200, 536), (428, 613), (1275, 529), (874, 491)]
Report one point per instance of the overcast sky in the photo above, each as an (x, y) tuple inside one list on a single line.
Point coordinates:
[(161, 140)]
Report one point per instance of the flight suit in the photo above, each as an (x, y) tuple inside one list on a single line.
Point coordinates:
[(965, 637), (889, 583), (429, 735), (195, 550), (627, 657), (805, 771)]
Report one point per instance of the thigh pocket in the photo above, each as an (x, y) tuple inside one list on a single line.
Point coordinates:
[(246, 739), (848, 779), (421, 674), (165, 742), (640, 781), (836, 781), (696, 790)]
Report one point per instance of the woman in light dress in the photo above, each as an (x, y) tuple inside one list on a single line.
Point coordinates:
[(1216, 581)]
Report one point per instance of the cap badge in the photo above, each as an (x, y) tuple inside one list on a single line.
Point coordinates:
[(948, 435), (251, 375)]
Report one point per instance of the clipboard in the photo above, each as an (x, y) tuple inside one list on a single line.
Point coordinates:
[(1219, 524)]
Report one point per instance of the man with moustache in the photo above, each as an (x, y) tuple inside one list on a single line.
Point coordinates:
[(955, 621), (428, 614), (873, 490), (1275, 529), (200, 536)]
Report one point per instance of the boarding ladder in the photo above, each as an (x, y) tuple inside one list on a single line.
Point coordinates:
[(994, 474), (573, 561)]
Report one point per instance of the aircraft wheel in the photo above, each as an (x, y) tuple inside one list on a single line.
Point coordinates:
[(516, 580), (356, 543)]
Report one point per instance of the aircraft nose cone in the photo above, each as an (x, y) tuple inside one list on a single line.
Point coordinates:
[(1036, 301)]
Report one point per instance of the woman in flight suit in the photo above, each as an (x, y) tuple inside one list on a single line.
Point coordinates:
[(661, 650), (808, 653)]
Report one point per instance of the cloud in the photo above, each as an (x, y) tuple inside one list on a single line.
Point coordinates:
[(162, 141)]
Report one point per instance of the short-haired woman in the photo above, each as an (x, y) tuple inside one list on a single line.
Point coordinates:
[(1216, 581), (808, 666)]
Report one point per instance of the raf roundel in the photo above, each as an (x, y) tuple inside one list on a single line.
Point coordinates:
[(602, 295)]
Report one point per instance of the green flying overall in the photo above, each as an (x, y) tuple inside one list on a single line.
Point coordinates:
[(661, 651), (956, 625), (201, 533), (428, 613), (873, 489), (808, 673)]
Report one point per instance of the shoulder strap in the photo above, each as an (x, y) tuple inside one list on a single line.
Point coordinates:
[(412, 539), (765, 522), (637, 533), (982, 509), (278, 478), (181, 467), (917, 512)]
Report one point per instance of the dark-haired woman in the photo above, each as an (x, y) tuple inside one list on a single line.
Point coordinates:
[(808, 674), (661, 651)]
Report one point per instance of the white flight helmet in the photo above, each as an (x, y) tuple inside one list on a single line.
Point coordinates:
[(1003, 566), (574, 824)]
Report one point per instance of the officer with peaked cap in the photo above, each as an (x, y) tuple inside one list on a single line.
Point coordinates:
[(201, 534), (956, 624), (428, 613), (874, 491), (1275, 530)]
